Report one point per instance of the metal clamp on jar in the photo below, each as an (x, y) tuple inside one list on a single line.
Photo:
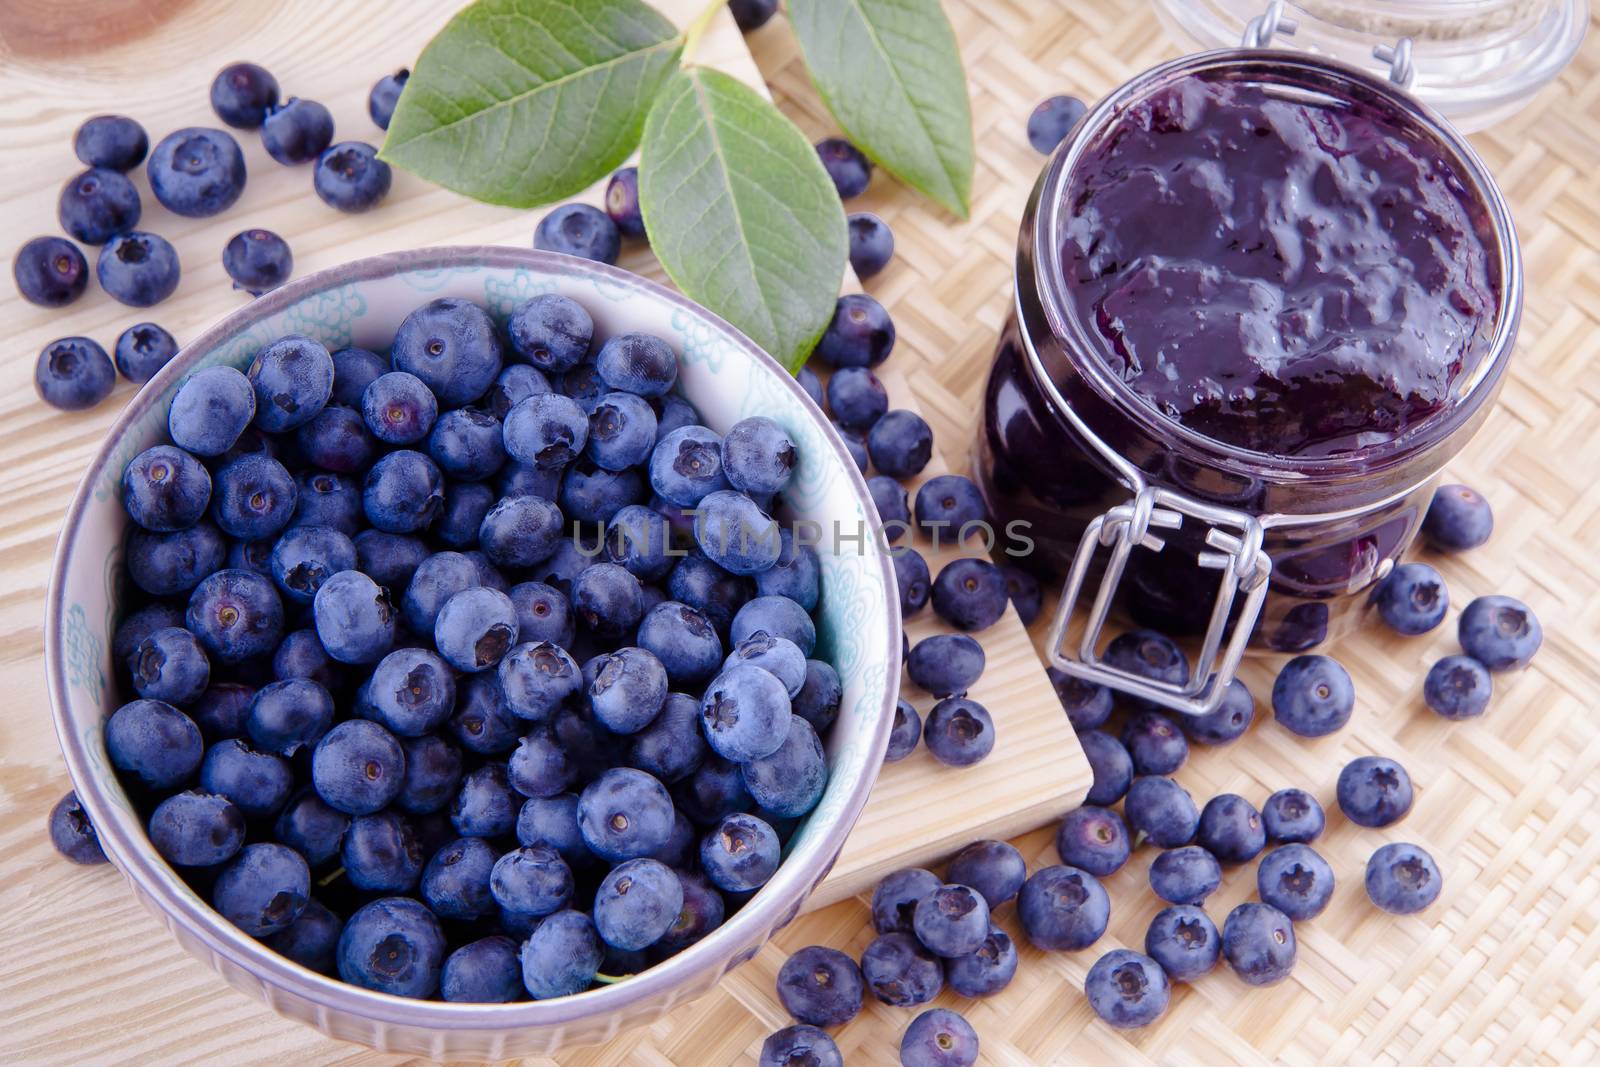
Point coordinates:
[(1237, 542)]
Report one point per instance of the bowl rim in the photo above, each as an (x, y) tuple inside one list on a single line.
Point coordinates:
[(135, 856)]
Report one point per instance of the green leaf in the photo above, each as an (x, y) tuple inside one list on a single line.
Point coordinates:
[(741, 213), (521, 102), (890, 72)]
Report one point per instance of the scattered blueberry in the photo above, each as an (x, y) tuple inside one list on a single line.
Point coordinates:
[(845, 164), (1063, 908), (994, 868), (1184, 941), (900, 444), (241, 93), (579, 230), (958, 732), (1413, 599), (382, 99), (1088, 705), (911, 575), (1093, 839), (860, 334), (1023, 590), (142, 350), (1231, 829), (905, 734), (138, 269), (946, 664), (1374, 791), (197, 172), (1155, 743), (949, 507), (350, 177), (1227, 722), (72, 834), (1500, 632), (1296, 881), (622, 202), (952, 921), (1292, 815), (296, 131), (1186, 875), (900, 972), (1127, 989), (939, 1037), (970, 593), (50, 272), (793, 1046), (97, 205), (1052, 120), (1258, 941), (1112, 767), (257, 261), (1459, 518), (1161, 810), (821, 986), (114, 142), (894, 899), (871, 244), (1402, 879), (1313, 696), (1458, 687), (1149, 655)]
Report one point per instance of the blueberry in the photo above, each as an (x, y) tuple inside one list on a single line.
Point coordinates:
[(138, 269), (622, 431), (399, 409), (1087, 705), (1413, 599), (856, 398), (1231, 829), (353, 370), (746, 713), (286, 715), (607, 600), (310, 827), (253, 497), (533, 880), (1374, 791), (483, 722), (1292, 815), (465, 506), (994, 868), (195, 829), (170, 563), (740, 854), (1150, 655), (673, 412), (436, 579), (592, 495), (637, 903), (628, 691), (393, 945), (1258, 941), (562, 956), (715, 790), (1063, 908), (670, 747), (1161, 810), (354, 618), (1052, 120), (639, 539), (50, 272), (900, 444), (236, 614), (515, 383), (1458, 687), (165, 489), (1111, 764), (950, 506), (381, 853), (579, 230), (1402, 879), (537, 677), (264, 889), (551, 331), (1500, 632), (988, 970), (455, 882), (1296, 881), (855, 445), (778, 656), (1127, 989), (553, 821), (1022, 589), (350, 177), (257, 261), (790, 781), (337, 439), (1093, 839), (210, 410), (624, 814), (899, 971), (222, 710), (1228, 722), (622, 202), (1313, 696), (911, 575), (293, 379), (114, 142), (793, 1046), (403, 492), (1155, 743), (486, 971), (475, 629), (757, 456), (1458, 518), (895, 898), (486, 806), (432, 774), (197, 172), (258, 783), (907, 731), (1184, 941), (452, 345), (970, 594), (307, 556), (358, 767), (296, 131), (541, 766), (328, 499), (889, 501), (381, 102), (546, 430), (241, 93), (845, 164), (138, 625), (752, 15), (143, 350), (952, 921), (718, 595), (861, 334), (300, 655), (97, 205), (871, 244), (1186, 875), (959, 732), (683, 640), (72, 834), (939, 1037), (312, 940)]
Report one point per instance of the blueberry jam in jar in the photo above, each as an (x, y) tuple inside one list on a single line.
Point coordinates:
[(1262, 298)]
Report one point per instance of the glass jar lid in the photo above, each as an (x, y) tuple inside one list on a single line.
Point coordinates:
[(1474, 61)]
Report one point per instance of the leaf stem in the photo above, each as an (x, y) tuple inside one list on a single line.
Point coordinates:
[(611, 979), (697, 29)]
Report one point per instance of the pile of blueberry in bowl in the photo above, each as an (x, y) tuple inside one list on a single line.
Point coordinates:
[(425, 651)]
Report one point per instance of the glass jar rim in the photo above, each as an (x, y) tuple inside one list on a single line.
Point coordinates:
[(1317, 74)]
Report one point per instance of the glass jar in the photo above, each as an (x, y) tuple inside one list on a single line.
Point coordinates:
[(1190, 534)]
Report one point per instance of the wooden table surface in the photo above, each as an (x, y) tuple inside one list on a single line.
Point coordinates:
[(1503, 970)]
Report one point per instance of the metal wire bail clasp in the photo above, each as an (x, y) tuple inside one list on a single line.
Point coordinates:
[(1259, 31), (1234, 548)]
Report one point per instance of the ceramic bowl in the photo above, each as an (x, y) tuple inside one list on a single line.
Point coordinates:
[(727, 378)]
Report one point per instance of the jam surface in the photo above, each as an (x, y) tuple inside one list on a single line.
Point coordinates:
[(1289, 276)]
